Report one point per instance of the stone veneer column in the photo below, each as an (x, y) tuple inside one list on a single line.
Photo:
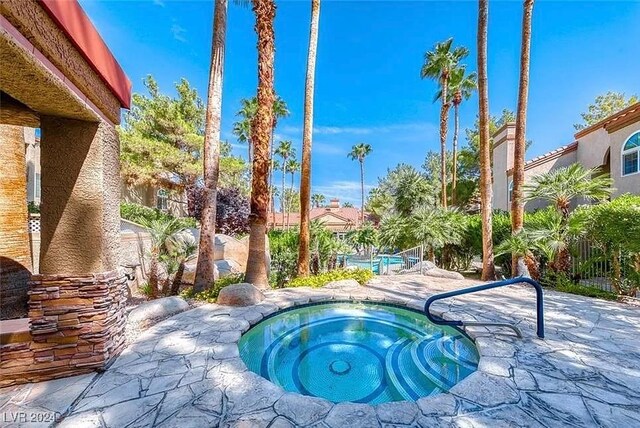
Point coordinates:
[(15, 250), (77, 303)]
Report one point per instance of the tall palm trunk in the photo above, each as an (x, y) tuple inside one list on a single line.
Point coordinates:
[(205, 268), (290, 201), (517, 198), (257, 270), (454, 178), (488, 267), (361, 191), (444, 111), (307, 133), (153, 274), (271, 203), (283, 201), (177, 278)]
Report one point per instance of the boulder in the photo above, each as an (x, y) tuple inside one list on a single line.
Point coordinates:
[(343, 283), (229, 248), (240, 295), (227, 267), (189, 275), (159, 308), (441, 273)]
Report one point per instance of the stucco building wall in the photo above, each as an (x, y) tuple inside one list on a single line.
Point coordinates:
[(503, 142), (562, 161), (628, 183)]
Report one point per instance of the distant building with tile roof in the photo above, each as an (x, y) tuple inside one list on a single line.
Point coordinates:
[(336, 218)]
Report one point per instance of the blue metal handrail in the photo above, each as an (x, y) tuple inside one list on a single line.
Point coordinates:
[(482, 287)]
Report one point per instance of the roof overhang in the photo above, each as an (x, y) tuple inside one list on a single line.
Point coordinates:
[(72, 20)]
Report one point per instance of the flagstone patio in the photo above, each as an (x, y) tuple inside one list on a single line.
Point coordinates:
[(186, 370)]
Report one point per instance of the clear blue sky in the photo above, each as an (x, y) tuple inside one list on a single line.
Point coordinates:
[(368, 87)]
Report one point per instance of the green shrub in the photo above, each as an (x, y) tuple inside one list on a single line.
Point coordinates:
[(583, 290), (33, 208), (210, 295), (145, 289), (283, 246), (140, 214), (360, 275)]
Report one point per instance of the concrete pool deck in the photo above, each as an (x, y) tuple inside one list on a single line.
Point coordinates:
[(186, 370)]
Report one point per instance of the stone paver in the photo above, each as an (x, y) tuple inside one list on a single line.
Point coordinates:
[(186, 370)]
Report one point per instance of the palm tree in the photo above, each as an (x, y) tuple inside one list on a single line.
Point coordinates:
[(563, 186), (318, 200), (359, 152), (517, 199), (307, 133), (275, 166), (488, 267), (204, 276), (285, 150), (280, 110), (160, 232), (292, 166), (521, 246), (184, 251), (242, 128), (461, 86), (257, 269), (438, 65)]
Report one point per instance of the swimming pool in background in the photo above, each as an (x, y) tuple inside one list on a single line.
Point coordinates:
[(359, 352), (386, 262)]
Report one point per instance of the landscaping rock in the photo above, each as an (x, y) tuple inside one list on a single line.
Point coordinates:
[(158, 308), (240, 295), (231, 249), (441, 273), (189, 275), (227, 267), (343, 283)]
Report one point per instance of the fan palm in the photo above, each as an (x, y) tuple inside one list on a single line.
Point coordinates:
[(438, 65), (318, 200), (461, 86), (242, 128), (488, 266), (204, 269), (292, 166), (307, 134), (257, 269), (359, 152), (517, 199), (280, 110), (285, 150), (563, 186), (160, 231), (521, 245)]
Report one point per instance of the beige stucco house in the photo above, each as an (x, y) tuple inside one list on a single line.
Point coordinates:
[(613, 145), (149, 196)]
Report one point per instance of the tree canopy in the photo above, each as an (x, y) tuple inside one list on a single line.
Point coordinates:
[(162, 140), (604, 106)]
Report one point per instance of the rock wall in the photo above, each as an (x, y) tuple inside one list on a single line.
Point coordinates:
[(76, 325)]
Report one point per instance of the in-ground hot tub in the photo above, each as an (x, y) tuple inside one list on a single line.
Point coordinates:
[(359, 352)]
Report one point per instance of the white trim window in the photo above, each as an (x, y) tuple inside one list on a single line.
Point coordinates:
[(36, 186), (162, 200), (631, 155), (510, 191)]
